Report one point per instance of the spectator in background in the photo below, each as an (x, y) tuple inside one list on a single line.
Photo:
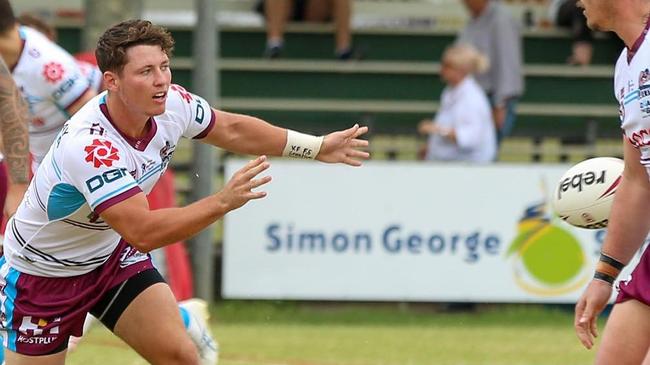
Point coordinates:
[(495, 33), (566, 14), (278, 12), (463, 129)]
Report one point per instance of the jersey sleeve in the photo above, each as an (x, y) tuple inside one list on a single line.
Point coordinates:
[(62, 80), (96, 167), (193, 112)]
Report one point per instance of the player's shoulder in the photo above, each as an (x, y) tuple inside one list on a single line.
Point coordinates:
[(88, 122), (85, 141), (180, 98), (184, 104), (45, 61), (40, 49)]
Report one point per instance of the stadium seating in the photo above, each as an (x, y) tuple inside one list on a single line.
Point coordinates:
[(397, 83)]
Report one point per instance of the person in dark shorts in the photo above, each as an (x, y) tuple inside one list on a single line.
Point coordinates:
[(278, 12)]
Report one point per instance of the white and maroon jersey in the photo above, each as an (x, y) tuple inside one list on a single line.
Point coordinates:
[(92, 73), (50, 81), (57, 231), (632, 90)]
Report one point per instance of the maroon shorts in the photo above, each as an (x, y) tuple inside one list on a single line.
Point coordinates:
[(39, 314), (638, 286)]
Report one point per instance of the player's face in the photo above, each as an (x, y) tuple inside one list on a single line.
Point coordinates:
[(145, 79), (598, 13)]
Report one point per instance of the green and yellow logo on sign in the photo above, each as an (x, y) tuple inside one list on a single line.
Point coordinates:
[(547, 259)]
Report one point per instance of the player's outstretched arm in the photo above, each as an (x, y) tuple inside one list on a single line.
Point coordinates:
[(150, 229), (15, 138), (249, 135)]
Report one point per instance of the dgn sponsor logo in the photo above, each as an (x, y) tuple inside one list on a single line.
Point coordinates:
[(107, 177), (65, 86)]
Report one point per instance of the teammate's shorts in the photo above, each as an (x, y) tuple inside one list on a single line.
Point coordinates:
[(638, 286), (38, 314)]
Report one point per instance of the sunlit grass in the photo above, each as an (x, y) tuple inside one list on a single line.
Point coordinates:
[(270, 333)]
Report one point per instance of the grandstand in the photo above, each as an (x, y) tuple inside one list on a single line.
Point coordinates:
[(566, 114)]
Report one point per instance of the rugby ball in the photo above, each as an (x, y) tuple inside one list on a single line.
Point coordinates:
[(584, 195)]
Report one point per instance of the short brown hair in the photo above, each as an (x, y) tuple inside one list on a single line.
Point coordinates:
[(113, 44), (34, 21)]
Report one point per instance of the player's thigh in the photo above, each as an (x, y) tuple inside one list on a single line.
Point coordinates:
[(318, 10), (627, 334), (152, 326), (13, 358)]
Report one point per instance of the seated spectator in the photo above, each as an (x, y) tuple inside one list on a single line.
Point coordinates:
[(279, 12), (463, 129), (565, 13)]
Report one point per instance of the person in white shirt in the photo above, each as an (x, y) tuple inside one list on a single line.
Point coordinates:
[(626, 338), (75, 230), (463, 129)]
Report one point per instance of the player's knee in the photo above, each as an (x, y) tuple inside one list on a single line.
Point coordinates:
[(183, 353)]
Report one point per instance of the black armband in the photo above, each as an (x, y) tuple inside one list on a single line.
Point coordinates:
[(604, 277), (612, 261)]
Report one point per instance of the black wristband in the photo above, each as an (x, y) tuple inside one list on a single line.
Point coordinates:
[(604, 277), (612, 261)]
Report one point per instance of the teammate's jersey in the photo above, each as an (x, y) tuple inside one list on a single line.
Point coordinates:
[(50, 80), (90, 167), (632, 90), (92, 73)]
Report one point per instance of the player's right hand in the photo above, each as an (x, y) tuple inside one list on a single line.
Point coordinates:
[(591, 303), (239, 190)]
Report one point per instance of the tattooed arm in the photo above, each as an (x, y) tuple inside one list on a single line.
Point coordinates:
[(15, 139)]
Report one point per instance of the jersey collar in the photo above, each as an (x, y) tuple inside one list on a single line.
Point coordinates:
[(637, 44), (139, 144)]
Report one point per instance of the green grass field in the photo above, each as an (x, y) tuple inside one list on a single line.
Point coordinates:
[(271, 333)]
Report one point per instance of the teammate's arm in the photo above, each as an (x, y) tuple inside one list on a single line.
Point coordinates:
[(150, 229), (629, 225), (15, 138), (249, 135), (630, 222)]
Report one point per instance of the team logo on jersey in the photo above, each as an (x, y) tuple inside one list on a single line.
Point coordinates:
[(183, 93), (34, 53), (53, 72), (644, 77), (101, 153), (38, 122), (166, 153)]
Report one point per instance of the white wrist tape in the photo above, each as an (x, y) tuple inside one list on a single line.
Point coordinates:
[(300, 145)]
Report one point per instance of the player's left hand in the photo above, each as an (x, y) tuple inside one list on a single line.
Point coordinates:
[(15, 193), (591, 303), (344, 147)]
